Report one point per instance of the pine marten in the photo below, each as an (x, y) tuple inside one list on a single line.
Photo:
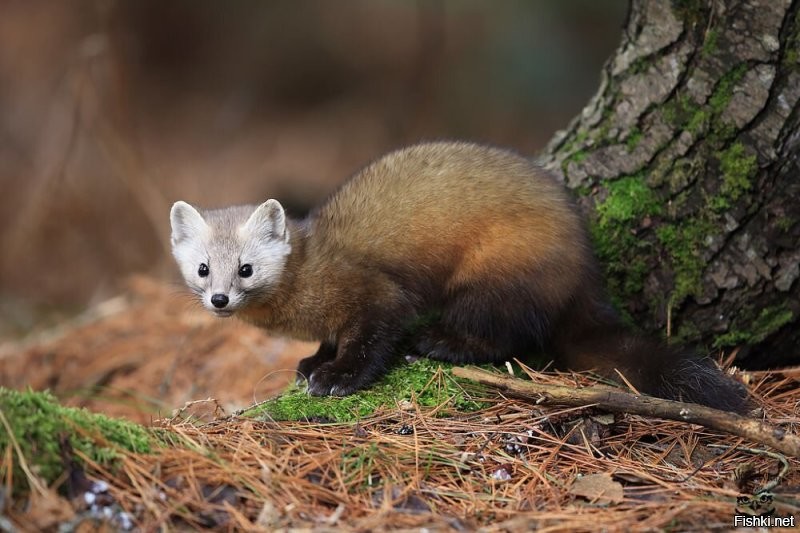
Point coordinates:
[(450, 250)]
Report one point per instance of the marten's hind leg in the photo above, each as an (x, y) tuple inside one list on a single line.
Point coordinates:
[(485, 324), (437, 342)]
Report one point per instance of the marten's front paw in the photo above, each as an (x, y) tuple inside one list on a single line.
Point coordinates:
[(306, 367), (330, 379)]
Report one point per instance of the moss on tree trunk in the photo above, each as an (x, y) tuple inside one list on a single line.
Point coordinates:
[(687, 161)]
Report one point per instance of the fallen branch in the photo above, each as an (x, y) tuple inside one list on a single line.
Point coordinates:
[(619, 401)]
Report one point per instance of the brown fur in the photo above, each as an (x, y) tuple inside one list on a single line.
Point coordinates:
[(458, 251)]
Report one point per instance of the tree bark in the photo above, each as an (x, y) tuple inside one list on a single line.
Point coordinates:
[(686, 160)]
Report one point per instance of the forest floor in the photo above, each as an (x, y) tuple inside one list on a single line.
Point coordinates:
[(153, 357)]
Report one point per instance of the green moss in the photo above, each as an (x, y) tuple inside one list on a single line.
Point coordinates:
[(426, 381), (719, 203), (678, 174), (624, 283), (738, 168), (679, 111), (731, 338), (791, 49), (634, 281), (576, 140), (574, 148), (721, 132), (791, 58), (723, 92), (612, 243), (698, 121), (601, 135), (748, 331), (670, 113), (684, 113), (683, 241), (577, 156), (615, 233), (629, 198), (37, 422), (634, 138), (770, 320), (710, 42), (640, 65)]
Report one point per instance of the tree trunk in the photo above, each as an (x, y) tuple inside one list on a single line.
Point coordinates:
[(687, 162)]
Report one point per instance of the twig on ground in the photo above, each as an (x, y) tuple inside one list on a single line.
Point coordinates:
[(618, 401)]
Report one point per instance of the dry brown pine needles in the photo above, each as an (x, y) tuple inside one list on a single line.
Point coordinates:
[(512, 466)]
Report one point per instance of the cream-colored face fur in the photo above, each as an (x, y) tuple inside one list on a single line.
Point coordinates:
[(226, 241)]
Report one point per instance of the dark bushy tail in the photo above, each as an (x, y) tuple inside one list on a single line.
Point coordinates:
[(698, 380), (589, 335), (652, 367)]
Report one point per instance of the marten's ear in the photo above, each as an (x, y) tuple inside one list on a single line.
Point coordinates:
[(268, 221), (187, 222)]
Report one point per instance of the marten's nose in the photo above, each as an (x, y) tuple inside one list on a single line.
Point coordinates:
[(219, 301)]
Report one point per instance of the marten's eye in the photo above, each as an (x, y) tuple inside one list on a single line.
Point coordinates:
[(246, 271), (203, 270)]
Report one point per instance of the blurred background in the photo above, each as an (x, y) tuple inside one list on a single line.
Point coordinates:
[(112, 110)]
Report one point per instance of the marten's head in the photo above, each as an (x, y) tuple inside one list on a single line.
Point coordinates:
[(230, 257)]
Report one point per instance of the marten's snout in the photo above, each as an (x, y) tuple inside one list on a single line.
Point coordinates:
[(219, 301)]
